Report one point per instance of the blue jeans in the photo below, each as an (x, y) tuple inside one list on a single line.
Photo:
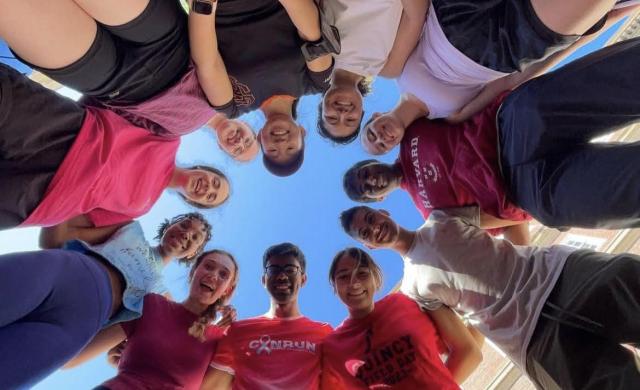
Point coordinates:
[(551, 169), (52, 303)]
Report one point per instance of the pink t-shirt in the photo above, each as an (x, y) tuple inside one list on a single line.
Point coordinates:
[(396, 346), (264, 353), (114, 172), (160, 354), (177, 111), (451, 165)]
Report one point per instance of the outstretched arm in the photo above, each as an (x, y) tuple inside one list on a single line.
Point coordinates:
[(210, 68), (488, 221), (494, 88), (465, 354), (518, 234), (306, 17), (102, 342), (413, 17), (79, 228)]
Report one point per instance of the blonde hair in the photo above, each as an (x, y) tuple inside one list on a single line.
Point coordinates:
[(199, 326)]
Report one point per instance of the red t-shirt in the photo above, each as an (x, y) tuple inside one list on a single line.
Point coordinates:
[(160, 354), (395, 346), (114, 172), (264, 353), (451, 165)]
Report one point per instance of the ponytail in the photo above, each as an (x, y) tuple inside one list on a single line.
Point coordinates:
[(199, 326)]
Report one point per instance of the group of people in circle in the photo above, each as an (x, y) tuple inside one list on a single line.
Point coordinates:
[(487, 142)]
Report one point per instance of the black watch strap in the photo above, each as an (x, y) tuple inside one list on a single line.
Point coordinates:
[(204, 7), (329, 43)]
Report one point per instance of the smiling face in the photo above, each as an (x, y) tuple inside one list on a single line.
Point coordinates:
[(355, 285), (206, 188), (281, 138), (342, 111), (374, 180), (184, 238), (374, 228), (212, 279), (283, 278), (237, 139), (383, 133)]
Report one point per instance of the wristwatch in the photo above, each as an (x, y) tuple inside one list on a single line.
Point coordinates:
[(329, 41), (204, 7)]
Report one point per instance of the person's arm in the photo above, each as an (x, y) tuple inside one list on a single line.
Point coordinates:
[(414, 13), (210, 68), (115, 353), (613, 17), (464, 352), (216, 379), (80, 228), (305, 15), (518, 234), (477, 336), (102, 342), (488, 221)]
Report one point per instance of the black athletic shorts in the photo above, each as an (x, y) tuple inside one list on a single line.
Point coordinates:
[(503, 35), (130, 63), (37, 129)]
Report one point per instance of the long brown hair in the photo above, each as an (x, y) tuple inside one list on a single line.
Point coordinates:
[(363, 260), (198, 327)]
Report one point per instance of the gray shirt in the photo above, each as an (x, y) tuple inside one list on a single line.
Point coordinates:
[(499, 286)]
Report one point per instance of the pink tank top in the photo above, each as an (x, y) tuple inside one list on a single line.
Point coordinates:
[(179, 110)]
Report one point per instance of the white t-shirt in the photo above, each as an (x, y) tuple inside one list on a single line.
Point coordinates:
[(367, 31), (440, 75), (499, 286)]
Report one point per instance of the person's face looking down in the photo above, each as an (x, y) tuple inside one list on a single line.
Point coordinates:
[(184, 238), (281, 138), (204, 187), (342, 111), (375, 180), (355, 285), (374, 228), (212, 278), (383, 133), (237, 139), (283, 277)]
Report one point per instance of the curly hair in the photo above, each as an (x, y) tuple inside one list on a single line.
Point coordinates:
[(164, 226), (364, 86), (197, 329)]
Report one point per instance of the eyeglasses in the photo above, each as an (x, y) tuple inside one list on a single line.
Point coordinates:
[(289, 270)]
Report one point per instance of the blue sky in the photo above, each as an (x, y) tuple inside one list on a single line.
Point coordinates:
[(264, 210)]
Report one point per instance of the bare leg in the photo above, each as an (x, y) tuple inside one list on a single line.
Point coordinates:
[(571, 17), (51, 34), (114, 12)]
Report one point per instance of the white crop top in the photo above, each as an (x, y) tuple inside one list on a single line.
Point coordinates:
[(440, 75), (367, 31)]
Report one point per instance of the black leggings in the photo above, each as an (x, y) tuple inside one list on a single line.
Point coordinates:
[(130, 63)]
